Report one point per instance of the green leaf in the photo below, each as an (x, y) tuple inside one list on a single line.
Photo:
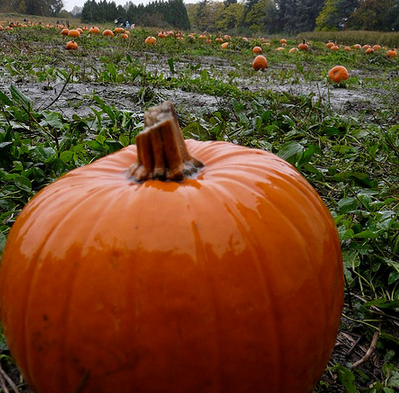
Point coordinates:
[(383, 303), (171, 65), (347, 204), (52, 119), (290, 152), (367, 234), (96, 146), (2, 241), (20, 98), (393, 277), (124, 140), (346, 377), (4, 99), (66, 156), (23, 183)]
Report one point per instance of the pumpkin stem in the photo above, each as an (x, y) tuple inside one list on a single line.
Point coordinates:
[(161, 151)]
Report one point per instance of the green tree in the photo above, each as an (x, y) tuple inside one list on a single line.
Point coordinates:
[(175, 14), (38, 7), (260, 15), (376, 15), (294, 16), (335, 13), (231, 17), (208, 13)]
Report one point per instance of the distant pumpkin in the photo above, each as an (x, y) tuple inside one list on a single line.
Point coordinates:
[(94, 30), (74, 33), (257, 49), (259, 63), (303, 46), (71, 45), (391, 53), (108, 33), (150, 40)]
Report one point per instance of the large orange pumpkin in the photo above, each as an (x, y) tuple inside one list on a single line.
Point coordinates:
[(176, 275)]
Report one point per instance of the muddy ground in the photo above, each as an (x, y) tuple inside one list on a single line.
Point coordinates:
[(76, 97)]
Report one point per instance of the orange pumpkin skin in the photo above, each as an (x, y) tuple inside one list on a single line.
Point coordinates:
[(108, 33), (259, 63), (71, 45), (231, 281), (338, 74), (74, 33)]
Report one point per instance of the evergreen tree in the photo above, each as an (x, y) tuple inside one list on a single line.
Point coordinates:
[(335, 13), (295, 15), (260, 15)]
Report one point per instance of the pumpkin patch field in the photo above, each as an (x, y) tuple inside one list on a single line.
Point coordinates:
[(264, 170)]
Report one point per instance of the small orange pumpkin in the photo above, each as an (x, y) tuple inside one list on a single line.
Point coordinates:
[(150, 40), (303, 46), (108, 33), (259, 63), (391, 53), (65, 31), (94, 30), (224, 45), (338, 74), (74, 33), (71, 45), (257, 49), (119, 30), (226, 277)]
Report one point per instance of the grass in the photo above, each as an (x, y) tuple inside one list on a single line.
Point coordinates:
[(348, 150)]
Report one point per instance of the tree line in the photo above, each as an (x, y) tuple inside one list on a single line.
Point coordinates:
[(253, 16), (294, 16), (32, 7), (245, 16), (171, 13)]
